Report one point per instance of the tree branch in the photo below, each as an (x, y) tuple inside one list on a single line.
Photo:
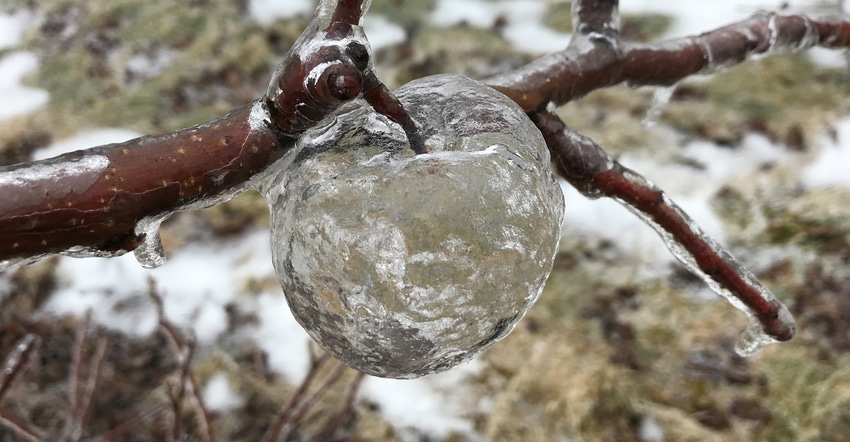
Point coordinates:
[(564, 76), (103, 201), (593, 172)]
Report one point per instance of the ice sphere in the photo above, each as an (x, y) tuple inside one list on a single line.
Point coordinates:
[(405, 265)]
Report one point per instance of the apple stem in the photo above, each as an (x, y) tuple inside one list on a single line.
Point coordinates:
[(385, 103)]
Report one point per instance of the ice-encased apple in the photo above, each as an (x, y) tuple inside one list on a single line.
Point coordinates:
[(404, 265)]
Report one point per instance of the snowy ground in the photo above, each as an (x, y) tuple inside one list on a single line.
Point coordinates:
[(196, 279)]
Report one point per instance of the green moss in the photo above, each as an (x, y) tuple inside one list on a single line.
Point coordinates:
[(807, 398), (633, 27), (777, 89), (644, 27), (558, 16), (406, 13), (211, 60)]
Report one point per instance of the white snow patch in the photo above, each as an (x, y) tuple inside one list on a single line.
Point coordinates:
[(148, 65), (281, 337), (267, 11), (113, 289), (523, 27), (13, 26), (18, 99), (84, 140), (694, 17), (434, 403), (196, 284), (381, 32), (219, 395), (830, 167), (651, 430)]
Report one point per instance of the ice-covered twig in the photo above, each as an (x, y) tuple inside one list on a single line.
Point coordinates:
[(593, 172), (300, 414), (596, 18), (120, 432), (298, 407), (564, 76)]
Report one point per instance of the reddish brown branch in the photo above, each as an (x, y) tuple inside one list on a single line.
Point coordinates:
[(564, 76), (95, 199), (593, 172)]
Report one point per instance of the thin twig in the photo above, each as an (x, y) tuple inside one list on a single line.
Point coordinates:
[(184, 348), (13, 366), (335, 423), (86, 404), (72, 430), (202, 415), (297, 417), (275, 429), (117, 434), (17, 360), (19, 427)]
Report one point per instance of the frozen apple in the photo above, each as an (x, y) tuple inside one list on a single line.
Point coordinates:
[(404, 265)]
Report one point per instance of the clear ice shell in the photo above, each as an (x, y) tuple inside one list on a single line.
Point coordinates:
[(404, 265)]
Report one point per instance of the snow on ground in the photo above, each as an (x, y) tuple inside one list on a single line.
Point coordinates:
[(219, 396), (830, 168), (17, 98), (523, 25), (84, 140), (200, 279), (267, 11)]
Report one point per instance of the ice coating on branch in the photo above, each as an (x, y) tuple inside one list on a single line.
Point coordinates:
[(660, 98), (405, 265), (754, 337), (150, 252), (780, 37), (607, 31), (326, 9), (37, 181)]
